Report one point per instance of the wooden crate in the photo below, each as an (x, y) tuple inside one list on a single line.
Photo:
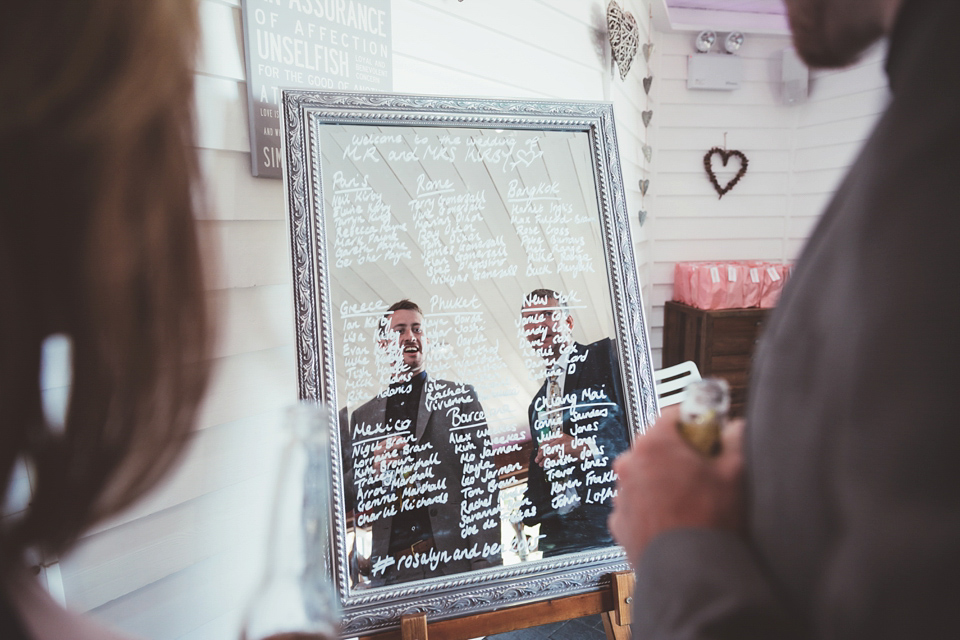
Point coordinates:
[(720, 342)]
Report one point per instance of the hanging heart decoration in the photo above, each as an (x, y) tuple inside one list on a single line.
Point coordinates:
[(647, 116), (647, 82), (643, 216), (647, 152), (624, 37), (644, 185), (725, 156), (648, 51)]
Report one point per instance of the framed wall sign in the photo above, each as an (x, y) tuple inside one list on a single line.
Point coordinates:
[(309, 44), (467, 303)]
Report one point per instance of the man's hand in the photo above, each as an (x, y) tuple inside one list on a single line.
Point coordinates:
[(663, 484)]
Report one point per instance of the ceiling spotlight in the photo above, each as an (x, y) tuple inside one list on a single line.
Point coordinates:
[(705, 40), (733, 42)]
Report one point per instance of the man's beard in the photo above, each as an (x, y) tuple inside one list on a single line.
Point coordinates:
[(833, 33)]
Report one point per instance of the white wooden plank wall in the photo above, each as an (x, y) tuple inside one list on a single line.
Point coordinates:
[(843, 108), (689, 221), (796, 153), (182, 563)]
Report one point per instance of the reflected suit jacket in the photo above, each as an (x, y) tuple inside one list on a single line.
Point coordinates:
[(440, 402), (592, 378), (853, 428)]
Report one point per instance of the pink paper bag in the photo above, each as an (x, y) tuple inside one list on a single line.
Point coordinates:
[(734, 275), (752, 283), (710, 290), (681, 282), (772, 285)]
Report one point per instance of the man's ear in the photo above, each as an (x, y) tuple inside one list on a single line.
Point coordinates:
[(570, 321)]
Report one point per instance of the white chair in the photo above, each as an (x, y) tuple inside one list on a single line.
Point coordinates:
[(671, 382)]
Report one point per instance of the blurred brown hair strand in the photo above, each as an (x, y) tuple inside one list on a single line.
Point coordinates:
[(98, 179)]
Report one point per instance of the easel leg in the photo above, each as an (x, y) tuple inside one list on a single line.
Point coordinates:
[(613, 630), (413, 626), (616, 623)]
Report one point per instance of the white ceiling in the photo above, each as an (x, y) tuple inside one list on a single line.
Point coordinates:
[(748, 16), (775, 7)]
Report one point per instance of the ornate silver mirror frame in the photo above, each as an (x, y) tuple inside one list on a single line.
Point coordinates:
[(334, 146)]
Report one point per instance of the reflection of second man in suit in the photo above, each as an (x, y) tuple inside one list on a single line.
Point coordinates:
[(578, 427), (422, 468)]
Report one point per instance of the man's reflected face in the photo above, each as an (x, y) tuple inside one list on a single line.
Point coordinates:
[(407, 326), (548, 328)]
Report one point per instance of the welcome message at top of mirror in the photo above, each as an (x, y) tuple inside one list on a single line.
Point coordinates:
[(328, 45)]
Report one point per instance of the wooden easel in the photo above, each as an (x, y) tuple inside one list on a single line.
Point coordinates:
[(612, 603)]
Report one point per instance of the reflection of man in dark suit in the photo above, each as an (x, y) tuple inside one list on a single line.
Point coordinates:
[(578, 427), (422, 467)]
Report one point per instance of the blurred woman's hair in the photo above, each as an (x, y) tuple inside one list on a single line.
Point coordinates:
[(98, 187)]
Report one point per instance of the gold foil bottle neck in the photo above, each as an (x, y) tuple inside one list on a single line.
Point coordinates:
[(702, 414)]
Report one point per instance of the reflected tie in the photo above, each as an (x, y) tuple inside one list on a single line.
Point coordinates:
[(554, 397), (563, 476)]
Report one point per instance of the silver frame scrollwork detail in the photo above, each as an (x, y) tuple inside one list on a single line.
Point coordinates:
[(304, 112)]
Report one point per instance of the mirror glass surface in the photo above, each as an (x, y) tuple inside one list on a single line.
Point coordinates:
[(465, 223), (472, 280)]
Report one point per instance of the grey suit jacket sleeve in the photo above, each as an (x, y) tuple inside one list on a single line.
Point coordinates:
[(892, 572), (703, 583)]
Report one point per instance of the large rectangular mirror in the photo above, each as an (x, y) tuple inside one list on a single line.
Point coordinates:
[(467, 304)]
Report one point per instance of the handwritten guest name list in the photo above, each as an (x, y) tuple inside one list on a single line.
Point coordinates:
[(454, 243), (452, 219)]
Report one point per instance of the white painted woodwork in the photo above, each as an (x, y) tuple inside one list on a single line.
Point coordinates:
[(221, 114), (251, 253), (797, 156), (232, 194)]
